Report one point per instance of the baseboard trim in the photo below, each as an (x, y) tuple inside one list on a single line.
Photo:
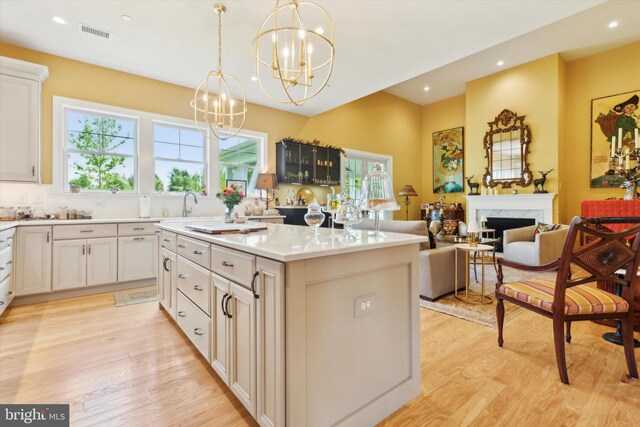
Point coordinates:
[(79, 292)]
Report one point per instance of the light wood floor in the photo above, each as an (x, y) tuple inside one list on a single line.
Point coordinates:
[(132, 366)]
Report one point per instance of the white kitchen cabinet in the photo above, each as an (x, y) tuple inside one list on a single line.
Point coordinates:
[(69, 264), (102, 261), (137, 258), (20, 105), (33, 260), (220, 335), (167, 281), (84, 262), (270, 339)]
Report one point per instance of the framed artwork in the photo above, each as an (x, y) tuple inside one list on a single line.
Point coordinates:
[(241, 185), (613, 118), (448, 160)]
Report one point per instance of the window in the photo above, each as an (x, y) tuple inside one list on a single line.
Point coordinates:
[(241, 159), (354, 168), (180, 158), (100, 151)]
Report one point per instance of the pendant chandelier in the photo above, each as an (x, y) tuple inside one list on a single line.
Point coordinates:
[(294, 58), (220, 112)]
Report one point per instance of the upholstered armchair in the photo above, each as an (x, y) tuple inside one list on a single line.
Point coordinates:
[(519, 245)]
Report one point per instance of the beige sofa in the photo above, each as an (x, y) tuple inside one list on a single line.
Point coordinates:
[(436, 265), (519, 245)]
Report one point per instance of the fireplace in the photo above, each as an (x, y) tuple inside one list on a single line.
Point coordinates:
[(501, 224)]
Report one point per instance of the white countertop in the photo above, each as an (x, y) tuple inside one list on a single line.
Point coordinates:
[(293, 242)]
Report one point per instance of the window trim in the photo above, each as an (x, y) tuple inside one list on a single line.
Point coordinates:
[(66, 149), (367, 156), (261, 167), (145, 153)]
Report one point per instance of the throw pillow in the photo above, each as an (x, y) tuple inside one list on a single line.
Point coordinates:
[(544, 228)]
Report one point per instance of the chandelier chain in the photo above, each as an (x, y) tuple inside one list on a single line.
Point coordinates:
[(219, 41)]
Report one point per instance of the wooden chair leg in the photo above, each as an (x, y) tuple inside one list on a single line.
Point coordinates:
[(568, 335), (500, 319), (627, 338), (558, 339)]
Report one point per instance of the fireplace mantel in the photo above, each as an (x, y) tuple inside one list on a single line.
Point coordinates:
[(536, 206)]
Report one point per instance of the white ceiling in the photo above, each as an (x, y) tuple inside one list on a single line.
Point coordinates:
[(379, 44)]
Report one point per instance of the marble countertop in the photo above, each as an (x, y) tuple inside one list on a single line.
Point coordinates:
[(292, 242)]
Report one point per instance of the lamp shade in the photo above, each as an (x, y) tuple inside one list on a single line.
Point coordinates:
[(407, 190), (473, 227), (483, 218), (267, 181)]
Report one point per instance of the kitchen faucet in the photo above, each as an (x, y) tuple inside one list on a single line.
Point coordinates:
[(185, 211)]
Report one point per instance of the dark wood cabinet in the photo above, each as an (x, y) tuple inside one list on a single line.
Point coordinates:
[(307, 164)]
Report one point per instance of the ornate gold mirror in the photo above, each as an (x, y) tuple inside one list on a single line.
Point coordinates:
[(506, 147)]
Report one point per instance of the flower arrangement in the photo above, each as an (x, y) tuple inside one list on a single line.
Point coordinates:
[(230, 196)]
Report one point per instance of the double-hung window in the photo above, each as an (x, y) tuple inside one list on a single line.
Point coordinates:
[(100, 151), (180, 158), (241, 159)]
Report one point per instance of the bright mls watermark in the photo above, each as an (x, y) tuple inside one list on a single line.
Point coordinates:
[(34, 415)]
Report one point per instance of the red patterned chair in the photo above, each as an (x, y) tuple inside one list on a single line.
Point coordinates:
[(611, 208), (575, 298)]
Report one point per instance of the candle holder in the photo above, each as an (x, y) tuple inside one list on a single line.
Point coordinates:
[(620, 165)]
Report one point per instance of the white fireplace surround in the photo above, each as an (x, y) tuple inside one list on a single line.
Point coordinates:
[(536, 206)]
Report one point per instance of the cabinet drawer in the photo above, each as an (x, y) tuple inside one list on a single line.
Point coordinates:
[(7, 238), (6, 262), (6, 294), (195, 250), (136, 228), (88, 231), (169, 240), (194, 282), (234, 265), (195, 324)]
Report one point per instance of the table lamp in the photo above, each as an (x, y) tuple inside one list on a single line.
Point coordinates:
[(472, 232), (483, 221), (267, 181), (407, 191)]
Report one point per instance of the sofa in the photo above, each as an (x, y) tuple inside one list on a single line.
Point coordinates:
[(521, 246), (436, 265)]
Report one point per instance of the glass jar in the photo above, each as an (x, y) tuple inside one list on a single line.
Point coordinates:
[(23, 213), (348, 214), (62, 212), (71, 214), (88, 215), (314, 216), (79, 214), (38, 213), (7, 213)]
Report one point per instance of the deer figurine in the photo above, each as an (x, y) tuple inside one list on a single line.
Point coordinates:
[(474, 187), (538, 183)]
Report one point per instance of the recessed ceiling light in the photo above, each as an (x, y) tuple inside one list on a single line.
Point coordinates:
[(126, 18), (319, 30), (254, 79), (613, 24), (59, 20), (500, 63), (426, 88)]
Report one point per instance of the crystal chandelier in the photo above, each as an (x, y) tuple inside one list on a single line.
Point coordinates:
[(221, 113), (293, 56)]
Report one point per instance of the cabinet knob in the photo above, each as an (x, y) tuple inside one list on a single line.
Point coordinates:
[(138, 228), (182, 314), (1, 302), (197, 252), (166, 240), (198, 288), (198, 331), (1, 268), (10, 293), (9, 262), (182, 246), (138, 238), (182, 276), (227, 264)]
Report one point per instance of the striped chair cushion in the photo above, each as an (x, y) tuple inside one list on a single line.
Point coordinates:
[(581, 299)]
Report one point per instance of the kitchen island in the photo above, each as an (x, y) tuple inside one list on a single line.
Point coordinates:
[(306, 330)]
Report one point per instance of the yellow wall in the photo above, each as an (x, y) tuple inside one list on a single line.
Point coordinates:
[(379, 123), (611, 72), (74, 79), (446, 114)]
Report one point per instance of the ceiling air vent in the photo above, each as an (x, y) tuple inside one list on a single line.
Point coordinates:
[(95, 31)]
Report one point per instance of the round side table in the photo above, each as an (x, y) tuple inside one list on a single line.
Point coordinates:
[(467, 248)]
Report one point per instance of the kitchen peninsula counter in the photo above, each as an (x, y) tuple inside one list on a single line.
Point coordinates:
[(335, 326)]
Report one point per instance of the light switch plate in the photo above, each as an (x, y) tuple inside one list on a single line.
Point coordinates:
[(364, 304)]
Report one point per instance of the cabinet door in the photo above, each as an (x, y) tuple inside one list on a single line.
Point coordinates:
[(69, 264), (33, 260), (168, 280), (242, 331), (137, 258), (270, 343), (102, 261), (19, 121), (220, 327)]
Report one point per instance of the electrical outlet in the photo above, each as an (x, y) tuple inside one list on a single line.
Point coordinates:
[(364, 304)]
